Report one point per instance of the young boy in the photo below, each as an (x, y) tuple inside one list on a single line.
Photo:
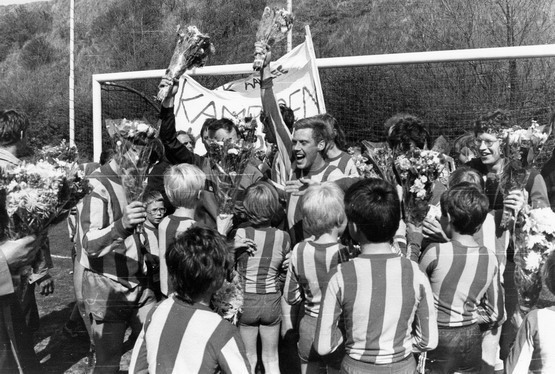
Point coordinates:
[(385, 301), (182, 334), (155, 212), (312, 263), (465, 281), (534, 347), (183, 184)]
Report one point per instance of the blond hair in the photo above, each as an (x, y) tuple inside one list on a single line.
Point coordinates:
[(323, 208), (182, 184)]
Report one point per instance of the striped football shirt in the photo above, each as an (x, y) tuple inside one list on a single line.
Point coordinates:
[(344, 162), (106, 247), (310, 268), (462, 279), (260, 272), (387, 306), (534, 347), (182, 338), (168, 230), (294, 212), (149, 238)]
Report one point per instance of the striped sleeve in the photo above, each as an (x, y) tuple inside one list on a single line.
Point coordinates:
[(428, 262), (326, 338), (98, 232), (292, 288), (425, 333), (282, 134), (139, 362), (521, 353), (492, 306), (232, 358)]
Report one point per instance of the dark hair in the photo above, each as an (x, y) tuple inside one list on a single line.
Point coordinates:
[(549, 272), (337, 135), (287, 115), (373, 205), (198, 261), (261, 203), (317, 125), (13, 126), (466, 174), (219, 124), (395, 119), (467, 207), (492, 122), (407, 131), (106, 155)]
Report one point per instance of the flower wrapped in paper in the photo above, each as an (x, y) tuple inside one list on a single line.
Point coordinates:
[(191, 50), (534, 240), (521, 148), (135, 141), (273, 27), (362, 163), (228, 300), (418, 170), (382, 158), (228, 160)]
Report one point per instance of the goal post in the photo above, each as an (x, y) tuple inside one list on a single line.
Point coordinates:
[(323, 64)]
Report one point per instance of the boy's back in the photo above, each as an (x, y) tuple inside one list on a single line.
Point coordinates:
[(380, 296), (310, 268), (182, 338), (460, 276), (261, 270)]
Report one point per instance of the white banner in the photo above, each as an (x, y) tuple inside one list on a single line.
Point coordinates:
[(296, 85)]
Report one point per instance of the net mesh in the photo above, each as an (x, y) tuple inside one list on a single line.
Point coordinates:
[(448, 97)]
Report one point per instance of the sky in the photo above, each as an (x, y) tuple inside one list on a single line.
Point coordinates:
[(8, 2)]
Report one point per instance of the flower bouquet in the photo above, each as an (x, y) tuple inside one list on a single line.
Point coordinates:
[(228, 300), (246, 126), (192, 49), (381, 156), (418, 170), (134, 143), (534, 240), (228, 160), (521, 148), (275, 23), (364, 167)]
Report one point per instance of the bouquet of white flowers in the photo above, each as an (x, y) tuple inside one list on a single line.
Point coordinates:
[(418, 170), (228, 300), (273, 27), (534, 240)]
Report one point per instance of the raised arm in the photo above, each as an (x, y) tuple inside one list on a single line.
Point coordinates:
[(276, 122), (176, 152)]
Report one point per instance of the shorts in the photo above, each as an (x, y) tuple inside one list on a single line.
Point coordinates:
[(352, 366), (109, 301), (261, 309), (458, 349), (307, 334)]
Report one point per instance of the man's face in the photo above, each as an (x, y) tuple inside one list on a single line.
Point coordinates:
[(305, 149), (489, 148), (222, 135)]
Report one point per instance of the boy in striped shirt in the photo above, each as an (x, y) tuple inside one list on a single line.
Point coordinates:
[(260, 275), (465, 281), (182, 334), (385, 301), (183, 184), (312, 263), (534, 348)]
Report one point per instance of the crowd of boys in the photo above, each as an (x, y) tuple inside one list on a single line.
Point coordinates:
[(153, 265)]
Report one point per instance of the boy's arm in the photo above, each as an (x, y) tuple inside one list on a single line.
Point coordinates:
[(176, 152), (292, 289), (98, 238), (428, 260), (139, 362), (520, 355), (328, 337), (492, 306), (425, 333)]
